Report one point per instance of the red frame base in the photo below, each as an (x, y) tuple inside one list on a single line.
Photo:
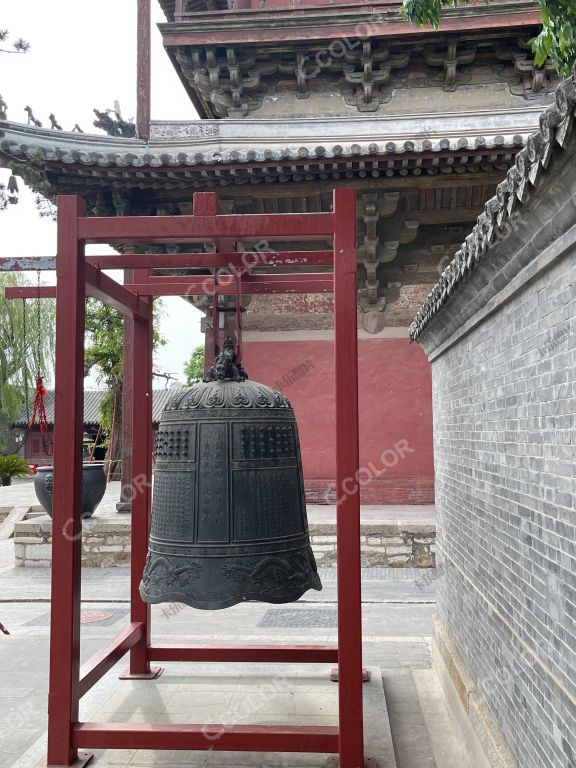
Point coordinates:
[(77, 277), (82, 760), (366, 675), (152, 675)]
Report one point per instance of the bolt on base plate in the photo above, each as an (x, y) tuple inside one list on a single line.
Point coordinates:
[(152, 675), (82, 760), (334, 761)]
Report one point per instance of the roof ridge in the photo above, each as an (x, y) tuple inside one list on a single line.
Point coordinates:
[(92, 399)]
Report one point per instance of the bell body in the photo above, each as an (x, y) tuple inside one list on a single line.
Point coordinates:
[(228, 514)]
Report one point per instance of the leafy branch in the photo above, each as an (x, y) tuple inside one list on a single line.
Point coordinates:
[(556, 41)]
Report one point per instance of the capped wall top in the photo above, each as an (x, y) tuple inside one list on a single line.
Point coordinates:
[(521, 184)]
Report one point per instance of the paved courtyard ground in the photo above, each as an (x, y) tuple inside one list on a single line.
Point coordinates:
[(398, 608)]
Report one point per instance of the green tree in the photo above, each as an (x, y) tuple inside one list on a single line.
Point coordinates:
[(556, 41), (194, 368), (104, 355), (27, 336)]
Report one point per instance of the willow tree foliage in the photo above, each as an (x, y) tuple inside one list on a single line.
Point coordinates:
[(556, 41), (104, 353), (104, 356), (27, 345)]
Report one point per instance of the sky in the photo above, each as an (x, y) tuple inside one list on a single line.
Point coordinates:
[(83, 56)]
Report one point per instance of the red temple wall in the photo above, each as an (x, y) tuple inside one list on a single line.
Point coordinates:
[(395, 389)]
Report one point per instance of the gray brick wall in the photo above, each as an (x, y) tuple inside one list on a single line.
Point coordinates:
[(505, 442)]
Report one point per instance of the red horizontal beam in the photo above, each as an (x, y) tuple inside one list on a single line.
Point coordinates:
[(278, 28), (279, 654), (232, 260), (100, 286), (223, 738), (28, 292), (161, 229), (197, 286), (103, 661), (181, 285), (226, 281)]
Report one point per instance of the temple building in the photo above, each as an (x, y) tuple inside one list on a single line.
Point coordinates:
[(294, 99)]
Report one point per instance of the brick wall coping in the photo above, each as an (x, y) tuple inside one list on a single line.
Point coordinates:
[(532, 208)]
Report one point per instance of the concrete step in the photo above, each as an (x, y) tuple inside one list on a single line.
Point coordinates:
[(423, 731), (412, 743), (443, 730), (16, 515)]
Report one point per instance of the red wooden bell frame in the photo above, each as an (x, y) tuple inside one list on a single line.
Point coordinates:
[(79, 276)]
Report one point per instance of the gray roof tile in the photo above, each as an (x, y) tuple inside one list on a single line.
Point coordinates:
[(92, 400), (556, 132)]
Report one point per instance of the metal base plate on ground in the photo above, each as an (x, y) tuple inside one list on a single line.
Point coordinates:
[(365, 675), (378, 746), (82, 760), (152, 675)]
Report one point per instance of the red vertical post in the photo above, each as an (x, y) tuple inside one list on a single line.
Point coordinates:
[(143, 70), (351, 736), (139, 373), (67, 496), (125, 503)]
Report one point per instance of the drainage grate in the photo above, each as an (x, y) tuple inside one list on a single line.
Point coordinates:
[(300, 617), (100, 618)]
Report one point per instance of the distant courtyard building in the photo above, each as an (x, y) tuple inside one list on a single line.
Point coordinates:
[(37, 447)]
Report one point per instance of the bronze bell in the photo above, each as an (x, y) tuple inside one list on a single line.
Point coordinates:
[(228, 513)]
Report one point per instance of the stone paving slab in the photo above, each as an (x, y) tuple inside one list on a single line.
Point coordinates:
[(391, 535), (396, 637), (22, 493), (15, 515), (401, 585), (284, 695)]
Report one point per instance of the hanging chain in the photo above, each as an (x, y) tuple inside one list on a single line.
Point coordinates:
[(38, 325), (25, 357), (239, 316), (39, 408)]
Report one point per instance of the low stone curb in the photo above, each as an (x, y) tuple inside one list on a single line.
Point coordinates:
[(106, 543)]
